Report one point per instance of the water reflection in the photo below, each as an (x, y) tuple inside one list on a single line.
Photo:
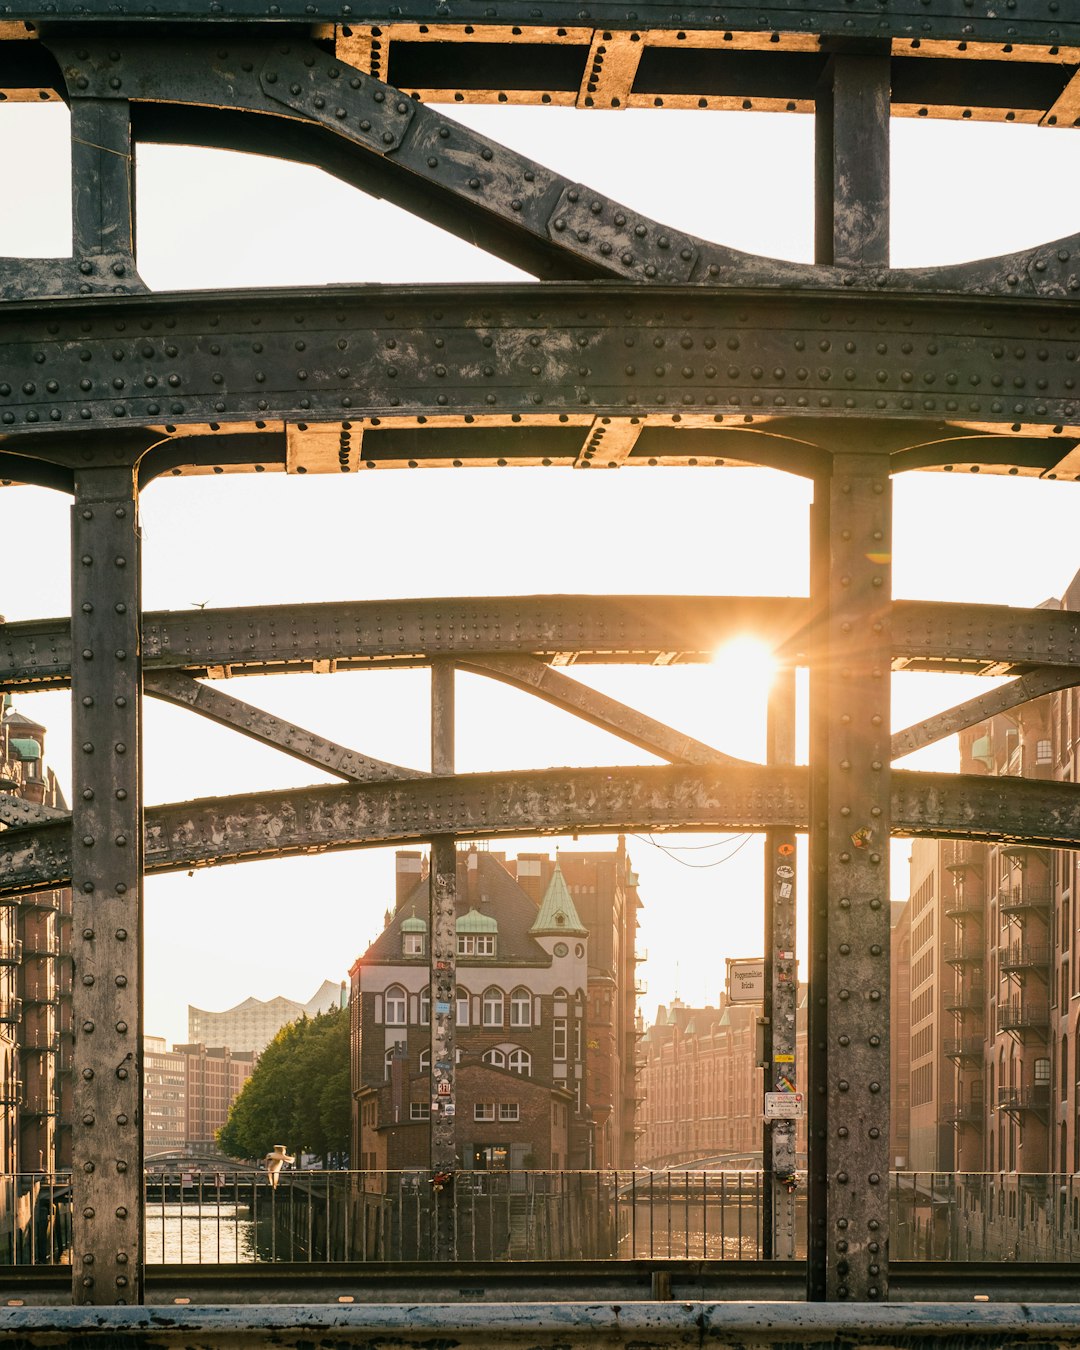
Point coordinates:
[(210, 1235)]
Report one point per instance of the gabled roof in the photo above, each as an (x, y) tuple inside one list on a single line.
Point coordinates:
[(557, 911), (510, 908)]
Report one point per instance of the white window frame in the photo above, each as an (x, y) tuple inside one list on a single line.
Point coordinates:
[(462, 999), (558, 1039), (399, 999), (509, 1111), (424, 1006), (419, 1110), (413, 944), (488, 1007), (520, 1061), (425, 1060), (520, 1007), (484, 1111), (495, 1057)]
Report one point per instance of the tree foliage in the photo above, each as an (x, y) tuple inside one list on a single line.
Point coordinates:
[(298, 1094)]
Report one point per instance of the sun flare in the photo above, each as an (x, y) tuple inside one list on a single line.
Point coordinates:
[(745, 667)]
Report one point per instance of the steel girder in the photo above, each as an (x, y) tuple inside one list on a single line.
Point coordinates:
[(557, 630), (439, 376), (548, 801)]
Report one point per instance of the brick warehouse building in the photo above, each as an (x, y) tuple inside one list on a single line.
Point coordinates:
[(993, 1012), (536, 1084), (35, 977)]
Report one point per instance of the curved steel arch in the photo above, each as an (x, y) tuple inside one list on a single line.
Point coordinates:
[(652, 348)]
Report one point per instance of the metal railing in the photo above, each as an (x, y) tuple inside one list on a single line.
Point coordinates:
[(228, 1217), (1021, 1015)]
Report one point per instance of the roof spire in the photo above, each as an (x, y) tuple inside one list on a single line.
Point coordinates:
[(558, 913)]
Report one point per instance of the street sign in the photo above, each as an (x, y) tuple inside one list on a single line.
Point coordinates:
[(784, 1106), (746, 980)]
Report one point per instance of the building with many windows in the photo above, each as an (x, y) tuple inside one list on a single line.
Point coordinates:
[(253, 1024), (535, 1085), (702, 1086), (35, 975)]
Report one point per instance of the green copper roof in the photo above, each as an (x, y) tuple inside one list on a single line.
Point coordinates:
[(475, 922), (413, 925), (557, 912), (25, 749)]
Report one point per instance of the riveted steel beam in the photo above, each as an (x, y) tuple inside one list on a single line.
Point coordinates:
[(976, 710), (17, 812), (216, 643), (185, 692), (548, 801), (609, 714), (295, 97), (1026, 22), (106, 875), (559, 630), (692, 362), (850, 808)]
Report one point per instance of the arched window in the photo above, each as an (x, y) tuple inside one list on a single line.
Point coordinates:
[(521, 1008), (425, 1006), (496, 1058), (425, 1061), (388, 1059), (491, 1007), (520, 1061), (396, 1004), (462, 1007)]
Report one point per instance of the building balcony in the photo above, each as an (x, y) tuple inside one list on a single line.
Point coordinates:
[(1026, 956), (1020, 1099), (41, 996), (965, 857), (963, 1114), (12, 955), (1023, 1015), (45, 902), (964, 1049), (1029, 897), (641, 987), (11, 1094), (967, 903), (43, 1043), (966, 952), (49, 1106), (11, 1012), (640, 954), (971, 998)]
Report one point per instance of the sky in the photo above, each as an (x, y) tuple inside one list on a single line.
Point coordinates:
[(211, 219)]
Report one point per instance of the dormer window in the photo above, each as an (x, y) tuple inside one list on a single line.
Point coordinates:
[(476, 934), (413, 937), (476, 944)]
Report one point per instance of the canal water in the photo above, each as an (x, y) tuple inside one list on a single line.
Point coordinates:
[(211, 1234)]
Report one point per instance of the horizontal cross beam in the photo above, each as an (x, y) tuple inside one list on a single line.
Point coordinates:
[(514, 375), (555, 629), (938, 21), (550, 801)]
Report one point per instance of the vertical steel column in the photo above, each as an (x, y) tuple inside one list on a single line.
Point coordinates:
[(851, 142), (848, 1204), (442, 926), (103, 190), (106, 686), (781, 987)]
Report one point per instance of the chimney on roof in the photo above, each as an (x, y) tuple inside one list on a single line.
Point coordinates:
[(408, 870), (531, 875), (472, 878)]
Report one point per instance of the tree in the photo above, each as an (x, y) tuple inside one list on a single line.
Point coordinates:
[(298, 1094)]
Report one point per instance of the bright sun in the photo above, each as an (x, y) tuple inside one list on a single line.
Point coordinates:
[(745, 667)]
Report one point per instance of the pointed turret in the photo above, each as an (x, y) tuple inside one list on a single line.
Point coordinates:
[(557, 914)]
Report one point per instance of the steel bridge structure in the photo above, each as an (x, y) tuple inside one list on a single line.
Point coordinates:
[(641, 345)]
